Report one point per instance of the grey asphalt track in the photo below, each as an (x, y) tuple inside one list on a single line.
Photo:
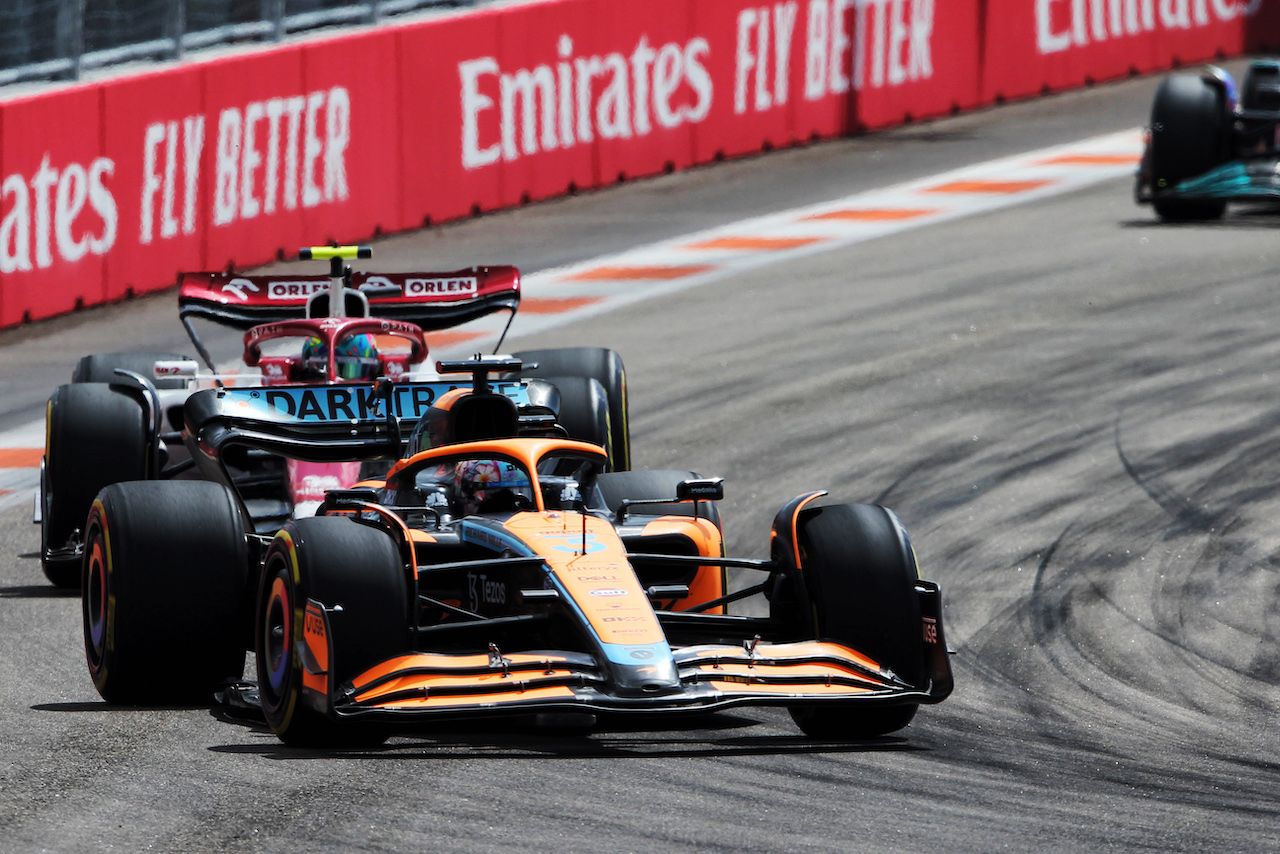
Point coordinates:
[(1074, 411)]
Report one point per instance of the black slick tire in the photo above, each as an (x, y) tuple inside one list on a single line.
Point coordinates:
[(339, 563), (859, 577), (1189, 127), (96, 437), (653, 485), (584, 412), (605, 367), (164, 592), (1258, 91)]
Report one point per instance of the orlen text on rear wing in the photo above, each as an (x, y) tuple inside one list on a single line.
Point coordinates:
[(433, 301)]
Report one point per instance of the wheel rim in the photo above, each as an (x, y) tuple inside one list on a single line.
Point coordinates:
[(96, 599), (276, 632)]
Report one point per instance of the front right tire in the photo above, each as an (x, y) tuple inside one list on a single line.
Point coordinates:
[(1258, 91), (859, 573)]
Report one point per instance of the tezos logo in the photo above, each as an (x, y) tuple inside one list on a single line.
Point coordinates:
[(608, 591)]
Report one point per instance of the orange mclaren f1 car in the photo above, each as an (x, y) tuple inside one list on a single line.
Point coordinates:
[(499, 568)]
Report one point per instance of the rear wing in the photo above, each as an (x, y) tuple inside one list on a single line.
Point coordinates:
[(433, 301)]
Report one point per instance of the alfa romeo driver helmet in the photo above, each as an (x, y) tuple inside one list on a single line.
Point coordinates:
[(356, 355)]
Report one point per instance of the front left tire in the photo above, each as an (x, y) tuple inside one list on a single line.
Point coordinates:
[(356, 572)]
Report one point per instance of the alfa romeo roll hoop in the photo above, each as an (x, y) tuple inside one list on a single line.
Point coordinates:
[(499, 568)]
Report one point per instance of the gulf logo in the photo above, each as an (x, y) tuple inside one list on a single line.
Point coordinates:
[(575, 543)]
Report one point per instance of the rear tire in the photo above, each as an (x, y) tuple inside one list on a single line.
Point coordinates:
[(605, 367), (101, 367), (164, 592), (335, 561), (1189, 136), (859, 576), (584, 412), (96, 437)]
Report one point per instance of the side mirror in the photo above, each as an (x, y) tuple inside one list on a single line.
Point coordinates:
[(695, 490), (349, 499), (704, 489)]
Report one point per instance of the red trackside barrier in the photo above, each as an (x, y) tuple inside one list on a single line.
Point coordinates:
[(112, 188)]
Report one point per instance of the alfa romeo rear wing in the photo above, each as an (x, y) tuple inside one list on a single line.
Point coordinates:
[(433, 301)]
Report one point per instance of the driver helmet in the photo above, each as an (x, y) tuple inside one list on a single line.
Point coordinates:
[(492, 485), (357, 357)]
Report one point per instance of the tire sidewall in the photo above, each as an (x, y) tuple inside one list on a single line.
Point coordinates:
[(860, 571), (605, 367), (337, 562), (163, 625), (1190, 135), (279, 669), (95, 437)]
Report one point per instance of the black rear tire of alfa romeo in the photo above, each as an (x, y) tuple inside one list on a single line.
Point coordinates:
[(859, 573), (164, 592), (96, 437), (595, 363), (584, 413), (337, 562), (1189, 137)]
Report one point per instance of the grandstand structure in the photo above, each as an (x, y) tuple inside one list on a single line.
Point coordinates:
[(63, 39)]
